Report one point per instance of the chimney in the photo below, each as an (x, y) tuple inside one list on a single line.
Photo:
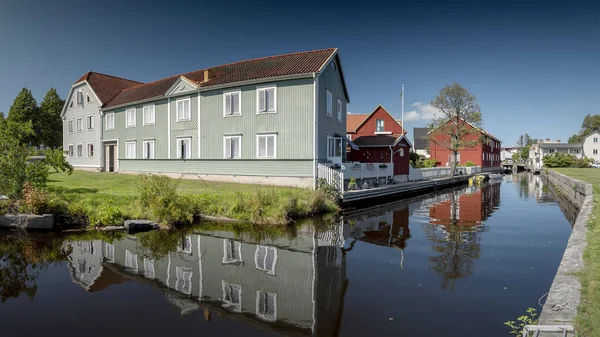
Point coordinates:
[(558, 140), (547, 140), (206, 75)]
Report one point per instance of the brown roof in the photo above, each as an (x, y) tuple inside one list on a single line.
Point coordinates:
[(261, 68), (353, 121), (105, 86), (376, 140)]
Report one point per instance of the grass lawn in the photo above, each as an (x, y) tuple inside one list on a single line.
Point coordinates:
[(588, 315), (94, 192)]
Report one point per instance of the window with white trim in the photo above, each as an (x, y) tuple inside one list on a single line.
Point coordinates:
[(595, 140), (231, 103), (79, 97), (232, 296), (131, 260), (110, 121), (380, 125), (334, 147), (183, 109), (339, 110), (266, 100), (90, 122), (131, 120), (595, 151), (148, 149), (79, 150), (232, 252), (109, 252), (329, 103), (70, 151), (184, 148), (90, 150), (186, 245), (184, 279), (266, 146), (149, 115), (232, 147), (79, 124), (149, 268), (130, 148), (401, 151), (551, 150), (266, 305), (265, 259), (71, 126)]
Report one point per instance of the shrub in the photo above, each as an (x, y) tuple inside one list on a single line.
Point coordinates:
[(55, 158), (559, 160), (330, 190), (318, 202), (35, 199), (428, 163), (105, 215), (159, 195), (414, 159), (469, 164), (582, 162)]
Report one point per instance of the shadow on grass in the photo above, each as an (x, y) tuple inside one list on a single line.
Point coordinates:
[(64, 190)]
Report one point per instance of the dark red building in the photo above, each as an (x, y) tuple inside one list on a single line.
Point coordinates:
[(380, 139), (485, 154)]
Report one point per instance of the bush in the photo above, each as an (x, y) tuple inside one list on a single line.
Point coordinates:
[(55, 158), (330, 190), (414, 159), (559, 160), (105, 215), (469, 164), (159, 195), (583, 162), (428, 163)]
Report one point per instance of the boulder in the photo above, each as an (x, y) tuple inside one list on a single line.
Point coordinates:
[(140, 225), (27, 221)]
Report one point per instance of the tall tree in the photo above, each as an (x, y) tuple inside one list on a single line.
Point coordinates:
[(458, 119), (591, 124), (50, 132), (524, 144), (25, 109), (2, 116)]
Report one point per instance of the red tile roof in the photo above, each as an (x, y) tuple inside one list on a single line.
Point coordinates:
[(353, 121), (107, 87), (261, 68)]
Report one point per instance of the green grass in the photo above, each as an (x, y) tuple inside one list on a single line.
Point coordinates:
[(588, 314), (110, 198)]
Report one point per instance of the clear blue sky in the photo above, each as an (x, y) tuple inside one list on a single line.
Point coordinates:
[(533, 65)]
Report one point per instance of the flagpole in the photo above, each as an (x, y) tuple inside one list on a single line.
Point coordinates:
[(402, 119)]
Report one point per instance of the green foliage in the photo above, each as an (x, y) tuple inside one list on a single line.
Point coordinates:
[(469, 164), (566, 160), (330, 190), (428, 163), (55, 158), (352, 185), (50, 123), (13, 158), (517, 326), (590, 124), (583, 162), (524, 153), (414, 158), (158, 194), (25, 109)]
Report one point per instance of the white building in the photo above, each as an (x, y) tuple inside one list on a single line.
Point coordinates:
[(591, 147), (548, 147), (507, 153)]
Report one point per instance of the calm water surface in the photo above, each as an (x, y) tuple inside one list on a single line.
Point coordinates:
[(455, 264)]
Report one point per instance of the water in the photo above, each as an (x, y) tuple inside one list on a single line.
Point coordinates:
[(455, 264)]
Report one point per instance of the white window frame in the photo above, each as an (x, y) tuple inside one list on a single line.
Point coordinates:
[(109, 252), (187, 155), (133, 122), (266, 317), (88, 149), (550, 151), (184, 277), (129, 259), (183, 117), (229, 93), (263, 267), (186, 245), (266, 135), (110, 121), (71, 151), (89, 122), (71, 126), (77, 95), (260, 90), (339, 110), (329, 103), (130, 155), (329, 139), (231, 306), (145, 143), (151, 108), (236, 246), (149, 271), (79, 124), (595, 140), (595, 151), (382, 125), (80, 155), (225, 146)]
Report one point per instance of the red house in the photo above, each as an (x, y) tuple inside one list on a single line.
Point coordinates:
[(380, 139), (485, 154)]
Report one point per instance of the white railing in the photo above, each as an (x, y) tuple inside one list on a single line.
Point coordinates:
[(427, 173), (332, 177), (368, 170), (473, 169)]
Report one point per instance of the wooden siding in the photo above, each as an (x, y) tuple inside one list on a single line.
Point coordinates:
[(329, 126)]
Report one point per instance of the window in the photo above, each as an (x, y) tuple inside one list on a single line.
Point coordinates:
[(80, 150), (184, 279), (110, 121), (349, 136), (266, 100), (80, 98), (109, 252), (575, 151), (186, 245), (329, 103), (148, 149), (183, 110), (401, 152), (266, 146), (149, 115), (232, 252), (70, 151), (79, 124), (131, 120), (149, 268), (71, 104), (90, 150), (88, 99), (551, 150), (71, 126), (266, 306), (595, 140), (131, 260), (184, 148), (232, 147), (265, 259), (334, 148), (595, 151), (379, 125), (339, 110), (90, 122), (232, 296), (130, 150), (231, 103)]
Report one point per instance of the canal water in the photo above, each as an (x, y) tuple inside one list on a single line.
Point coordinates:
[(458, 263)]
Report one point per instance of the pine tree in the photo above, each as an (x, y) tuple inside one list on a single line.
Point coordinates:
[(23, 110), (50, 133)]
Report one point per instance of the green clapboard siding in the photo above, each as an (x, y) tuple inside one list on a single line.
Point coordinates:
[(184, 129), (273, 168), (328, 126)]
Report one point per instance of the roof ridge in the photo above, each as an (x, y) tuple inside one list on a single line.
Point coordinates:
[(141, 84), (113, 76)]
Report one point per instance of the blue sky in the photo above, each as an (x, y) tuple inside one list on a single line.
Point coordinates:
[(533, 65)]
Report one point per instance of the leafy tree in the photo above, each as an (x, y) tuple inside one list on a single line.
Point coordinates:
[(524, 153), (2, 116), (50, 131), (414, 158), (458, 119), (25, 109), (591, 124), (515, 157)]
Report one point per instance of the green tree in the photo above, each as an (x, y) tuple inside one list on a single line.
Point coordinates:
[(591, 124), (2, 116), (459, 117), (25, 109), (50, 131)]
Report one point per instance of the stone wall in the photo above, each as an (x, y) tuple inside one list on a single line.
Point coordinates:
[(561, 304)]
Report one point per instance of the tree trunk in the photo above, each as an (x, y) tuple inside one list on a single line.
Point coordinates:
[(454, 163)]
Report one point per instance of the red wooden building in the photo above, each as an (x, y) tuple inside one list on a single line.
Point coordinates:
[(380, 139), (485, 154)]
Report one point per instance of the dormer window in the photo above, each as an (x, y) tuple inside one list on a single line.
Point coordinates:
[(80, 98)]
